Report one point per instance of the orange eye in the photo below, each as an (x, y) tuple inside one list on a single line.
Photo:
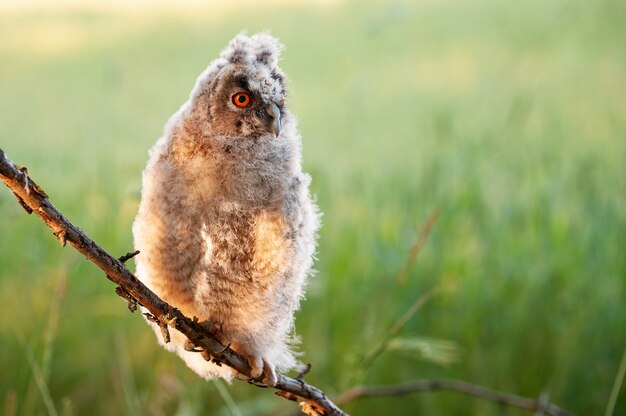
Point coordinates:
[(241, 99)]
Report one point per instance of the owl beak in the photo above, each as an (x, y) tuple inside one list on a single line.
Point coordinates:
[(274, 119)]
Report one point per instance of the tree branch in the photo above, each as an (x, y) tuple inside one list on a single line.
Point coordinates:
[(506, 399), (312, 400)]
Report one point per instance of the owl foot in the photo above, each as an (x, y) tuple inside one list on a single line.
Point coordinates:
[(261, 370), (189, 346), (269, 374), (216, 330)]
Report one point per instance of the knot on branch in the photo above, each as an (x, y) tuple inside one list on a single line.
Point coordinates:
[(307, 407), (168, 319), (23, 204), (61, 235), (121, 292), (132, 302), (162, 326), (128, 256)]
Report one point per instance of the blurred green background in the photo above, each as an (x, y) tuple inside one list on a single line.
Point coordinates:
[(509, 118)]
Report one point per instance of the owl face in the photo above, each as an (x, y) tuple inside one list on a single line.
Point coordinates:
[(240, 108), (247, 94)]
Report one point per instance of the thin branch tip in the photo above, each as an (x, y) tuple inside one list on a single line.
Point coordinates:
[(132, 302), (61, 235), (23, 204), (123, 259), (541, 404), (165, 332)]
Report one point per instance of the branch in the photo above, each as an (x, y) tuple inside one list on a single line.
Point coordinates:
[(312, 400), (462, 387)]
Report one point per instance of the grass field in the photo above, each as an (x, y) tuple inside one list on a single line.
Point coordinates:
[(508, 118)]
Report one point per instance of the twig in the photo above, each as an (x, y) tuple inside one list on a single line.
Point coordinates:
[(462, 387), (29, 194), (542, 403), (128, 256), (312, 400)]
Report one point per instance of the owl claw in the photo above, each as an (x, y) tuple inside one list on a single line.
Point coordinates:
[(269, 374), (262, 371), (256, 366), (189, 346)]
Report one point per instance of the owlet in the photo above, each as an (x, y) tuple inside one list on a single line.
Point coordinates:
[(226, 226)]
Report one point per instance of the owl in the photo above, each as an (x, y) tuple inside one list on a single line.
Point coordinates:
[(226, 225)]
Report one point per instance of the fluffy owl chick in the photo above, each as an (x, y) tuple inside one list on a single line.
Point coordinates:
[(226, 226)]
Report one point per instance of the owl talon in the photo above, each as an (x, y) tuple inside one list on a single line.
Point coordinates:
[(269, 374), (256, 366), (189, 346), (240, 376), (224, 349), (262, 371)]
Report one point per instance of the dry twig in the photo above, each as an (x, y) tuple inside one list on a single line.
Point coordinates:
[(34, 199), (312, 400), (511, 400)]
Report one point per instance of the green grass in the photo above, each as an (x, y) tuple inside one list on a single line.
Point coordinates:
[(508, 118)]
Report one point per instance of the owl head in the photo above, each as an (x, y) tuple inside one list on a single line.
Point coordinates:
[(242, 93)]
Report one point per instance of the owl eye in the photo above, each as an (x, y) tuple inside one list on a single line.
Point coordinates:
[(241, 99)]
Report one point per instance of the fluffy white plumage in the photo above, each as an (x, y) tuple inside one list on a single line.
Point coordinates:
[(226, 226)]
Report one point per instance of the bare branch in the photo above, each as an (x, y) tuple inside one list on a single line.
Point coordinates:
[(32, 198), (541, 405), (312, 400)]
